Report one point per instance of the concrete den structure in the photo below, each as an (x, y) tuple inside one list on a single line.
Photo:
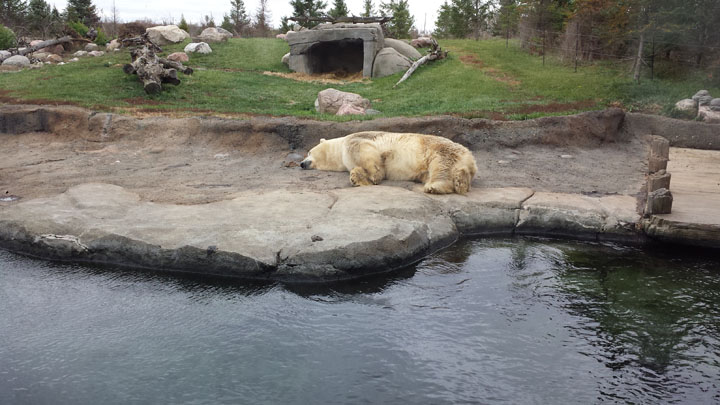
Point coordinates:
[(333, 47)]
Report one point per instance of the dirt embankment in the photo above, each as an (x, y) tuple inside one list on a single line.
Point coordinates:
[(195, 160)]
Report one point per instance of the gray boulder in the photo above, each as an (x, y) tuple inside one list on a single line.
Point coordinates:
[(41, 56), (715, 104), (331, 100), (4, 54), (707, 115), (198, 47), (17, 60), (80, 53), (403, 47), (702, 97), (96, 53), (166, 34), (91, 47), (213, 34), (422, 42), (54, 58), (388, 62), (112, 45), (286, 59)]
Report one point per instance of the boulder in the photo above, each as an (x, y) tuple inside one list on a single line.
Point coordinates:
[(280, 36), (74, 60), (41, 56), (330, 100), (198, 47), (112, 45), (422, 42), (388, 62), (80, 53), (403, 47), (687, 105), (707, 115), (17, 60), (54, 58), (35, 42), (213, 34), (286, 59), (96, 53), (350, 109), (702, 97), (4, 54), (166, 34), (91, 47), (178, 57), (715, 104)]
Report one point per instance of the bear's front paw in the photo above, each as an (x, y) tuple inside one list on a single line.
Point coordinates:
[(358, 178)]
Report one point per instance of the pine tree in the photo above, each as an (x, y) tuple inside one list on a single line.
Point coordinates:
[(238, 16), (12, 13), (83, 11), (367, 9), (308, 8), (402, 22), (227, 23), (183, 24), (262, 16), (39, 16), (339, 9)]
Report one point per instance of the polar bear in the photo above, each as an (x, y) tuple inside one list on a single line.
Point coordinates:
[(443, 165)]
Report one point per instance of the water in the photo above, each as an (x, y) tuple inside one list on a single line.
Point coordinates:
[(488, 321)]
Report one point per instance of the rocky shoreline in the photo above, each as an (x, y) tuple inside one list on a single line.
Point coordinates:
[(267, 220)]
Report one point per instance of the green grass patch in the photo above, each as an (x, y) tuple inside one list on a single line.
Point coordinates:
[(478, 79)]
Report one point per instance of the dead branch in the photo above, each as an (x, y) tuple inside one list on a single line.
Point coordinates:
[(352, 19), (434, 53), (31, 49)]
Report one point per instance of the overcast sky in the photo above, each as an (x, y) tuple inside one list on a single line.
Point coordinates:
[(129, 10)]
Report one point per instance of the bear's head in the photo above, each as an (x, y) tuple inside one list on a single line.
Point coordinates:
[(327, 155)]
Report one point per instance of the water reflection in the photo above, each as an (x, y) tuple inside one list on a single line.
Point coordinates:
[(498, 320)]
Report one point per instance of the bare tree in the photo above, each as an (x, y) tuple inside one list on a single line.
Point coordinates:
[(262, 16)]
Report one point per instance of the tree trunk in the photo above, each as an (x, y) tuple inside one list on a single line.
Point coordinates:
[(639, 58), (154, 71)]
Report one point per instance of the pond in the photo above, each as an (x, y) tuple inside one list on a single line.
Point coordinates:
[(486, 321)]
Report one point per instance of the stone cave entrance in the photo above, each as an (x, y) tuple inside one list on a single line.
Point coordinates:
[(343, 56)]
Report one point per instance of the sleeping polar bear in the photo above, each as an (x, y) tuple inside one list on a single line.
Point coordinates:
[(443, 165)]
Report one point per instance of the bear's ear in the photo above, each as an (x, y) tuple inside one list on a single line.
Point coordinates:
[(322, 140)]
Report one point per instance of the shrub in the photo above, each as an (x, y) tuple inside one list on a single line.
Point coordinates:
[(7, 38), (101, 38), (79, 27)]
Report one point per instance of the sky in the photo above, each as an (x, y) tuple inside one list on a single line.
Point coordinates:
[(424, 11)]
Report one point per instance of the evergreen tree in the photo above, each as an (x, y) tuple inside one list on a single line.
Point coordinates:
[(227, 23), (183, 24), (367, 9), (308, 8), (443, 24), (461, 18), (39, 16), (209, 21), (238, 16), (12, 13), (83, 11), (402, 22), (339, 9), (262, 18)]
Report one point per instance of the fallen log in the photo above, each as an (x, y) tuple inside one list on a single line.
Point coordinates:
[(150, 69), (435, 53), (31, 49)]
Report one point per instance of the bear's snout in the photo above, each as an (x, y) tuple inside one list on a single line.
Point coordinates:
[(305, 164)]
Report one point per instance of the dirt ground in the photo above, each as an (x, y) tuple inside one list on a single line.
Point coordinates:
[(177, 166)]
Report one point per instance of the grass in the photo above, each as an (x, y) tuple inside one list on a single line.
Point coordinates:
[(479, 79)]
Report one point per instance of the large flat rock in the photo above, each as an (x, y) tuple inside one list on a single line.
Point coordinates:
[(293, 235)]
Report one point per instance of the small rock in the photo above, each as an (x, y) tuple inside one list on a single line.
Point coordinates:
[(61, 63), (330, 100), (74, 60), (350, 109), (96, 53), (316, 238), (41, 56), (715, 104), (286, 59), (566, 156), (4, 54), (221, 155), (198, 47), (113, 45), (91, 47), (17, 60), (80, 53), (503, 162), (178, 57), (687, 104), (54, 58)]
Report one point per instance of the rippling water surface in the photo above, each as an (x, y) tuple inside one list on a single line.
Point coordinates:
[(489, 321)]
